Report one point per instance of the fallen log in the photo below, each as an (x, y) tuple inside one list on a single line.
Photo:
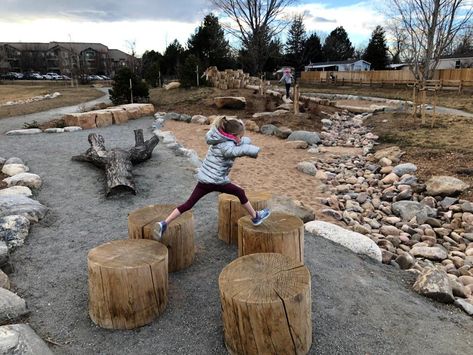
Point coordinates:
[(117, 162)]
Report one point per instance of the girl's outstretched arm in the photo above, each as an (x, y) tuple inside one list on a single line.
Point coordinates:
[(234, 151)]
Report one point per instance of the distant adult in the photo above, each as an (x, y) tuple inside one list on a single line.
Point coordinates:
[(288, 79)]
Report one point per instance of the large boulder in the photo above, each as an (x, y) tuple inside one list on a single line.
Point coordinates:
[(311, 138), (21, 339), (84, 120), (119, 115), (431, 253), (24, 179), (24, 132), (172, 85), (407, 210), (230, 102), (356, 242), (445, 186), (268, 129), (294, 207), (11, 306), (16, 190), (14, 230), (434, 283), (22, 205), (199, 119), (283, 132), (103, 118)]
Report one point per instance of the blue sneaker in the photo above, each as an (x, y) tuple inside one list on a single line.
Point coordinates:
[(159, 229), (260, 216)]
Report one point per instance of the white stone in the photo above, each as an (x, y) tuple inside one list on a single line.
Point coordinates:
[(199, 119), (54, 130), (16, 190), (72, 129), (22, 205), (21, 339), (445, 186), (21, 132), (14, 169), (307, 168), (172, 85), (356, 242), (11, 306), (24, 179)]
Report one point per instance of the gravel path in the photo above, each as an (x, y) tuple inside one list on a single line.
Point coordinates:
[(8, 124), (358, 306)]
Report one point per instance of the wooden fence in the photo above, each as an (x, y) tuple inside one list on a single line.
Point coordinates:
[(444, 78)]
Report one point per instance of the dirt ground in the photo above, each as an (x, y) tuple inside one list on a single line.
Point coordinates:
[(451, 99), (443, 150), (69, 96)]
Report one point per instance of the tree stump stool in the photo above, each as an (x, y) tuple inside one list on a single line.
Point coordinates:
[(230, 211), (128, 283), (279, 233), (266, 305), (179, 236)]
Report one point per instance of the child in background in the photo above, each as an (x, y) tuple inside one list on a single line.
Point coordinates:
[(287, 78), (226, 143)]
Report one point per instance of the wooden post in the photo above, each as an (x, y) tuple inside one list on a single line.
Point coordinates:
[(230, 211), (414, 100), (434, 113), (423, 104), (296, 99), (460, 87), (280, 233), (128, 283), (266, 305), (179, 236)]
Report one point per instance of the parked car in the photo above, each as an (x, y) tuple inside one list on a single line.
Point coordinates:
[(104, 77), (47, 77), (12, 76), (54, 76)]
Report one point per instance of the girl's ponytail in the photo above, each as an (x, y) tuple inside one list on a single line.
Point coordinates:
[(220, 123)]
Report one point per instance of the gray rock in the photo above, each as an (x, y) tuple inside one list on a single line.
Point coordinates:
[(434, 284), (268, 129), (327, 122), (410, 209), (307, 168), (21, 339), (24, 179), (230, 102), (465, 305), (408, 180), (172, 116), (22, 132), (11, 306), (356, 242), (431, 253), (14, 229), (332, 213), (14, 160), (447, 202), (445, 186), (16, 190), (405, 261), (54, 130), (72, 129), (467, 207), (4, 255), (296, 208), (2, 160), (185, 118), (199, 119), (22, 205), (283, 132), (309, 137), (402, 169)]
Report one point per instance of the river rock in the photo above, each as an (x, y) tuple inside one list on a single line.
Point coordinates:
[(294, 207), (390, 179), (252, 126), (307, 168), (14, 169), (22, 205), (14, 160), (24, 179), (405, 261), (231, 102), (23, 132), (410, 209), (54, 130), (356, 242), (402, 169), (4, 253), (11, 306), (431, 253), (14, 229), (392, 153), (268, 129), (21, 339), (311, 138), (72, 129), (434, 284), (4, 283), (16, 190), (296, 145), (465, 305), (199, 119), (445, 186), (283, 132)]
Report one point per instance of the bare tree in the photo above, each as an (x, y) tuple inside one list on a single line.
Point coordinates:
[(397, 41), (431, 26), (132, 47), (257, 22)]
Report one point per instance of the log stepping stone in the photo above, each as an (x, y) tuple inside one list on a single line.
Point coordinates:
[(266, 305), (230, 211), (280, 233), (179, 236), (128, 283)]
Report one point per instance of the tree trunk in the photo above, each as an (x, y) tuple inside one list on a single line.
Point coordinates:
[(117, 162), (128, 283), (179, 236), (280, 233), (266, 305)]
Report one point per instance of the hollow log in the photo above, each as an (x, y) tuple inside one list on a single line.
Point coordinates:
[(128, 283), (280, 233), (118, 163), (266, 305), (179, 236), (230, 211)]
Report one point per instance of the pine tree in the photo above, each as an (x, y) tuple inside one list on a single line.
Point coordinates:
[(172, 58), (295, 44), (208, 44), (337, 46), (313, 49), (377, 51)]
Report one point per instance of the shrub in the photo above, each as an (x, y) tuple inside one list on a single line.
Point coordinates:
[(120, 92)]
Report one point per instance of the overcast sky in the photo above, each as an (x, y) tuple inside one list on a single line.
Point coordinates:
[(152, 24)]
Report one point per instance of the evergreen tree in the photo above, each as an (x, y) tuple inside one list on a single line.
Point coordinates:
[(172, 59), (276, 56), (377, 51), (313, 49), (151, 67), (208, 44), (187, 74), (120, 92), (337, 46), (295, 45)]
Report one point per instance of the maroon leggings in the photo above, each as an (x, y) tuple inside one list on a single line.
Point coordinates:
[(203, 189)]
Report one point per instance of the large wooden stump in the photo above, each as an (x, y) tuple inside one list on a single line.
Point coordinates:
[(128, 283), (266, 305), (280, 233), (179, 236), (230, 211)]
